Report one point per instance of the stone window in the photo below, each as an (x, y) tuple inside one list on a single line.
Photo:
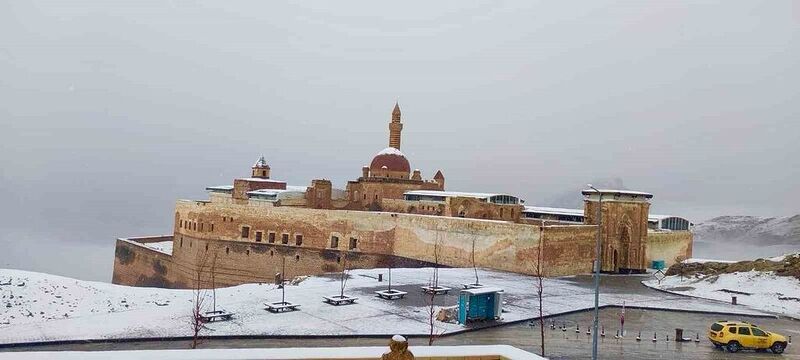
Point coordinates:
[(353, 243), (298, 239), (285, 239), (212, 227), (201, 226), (245, 232), (181, 224), (227, 250), (194, 226), (271, 237), (334, 242), (258, 236)]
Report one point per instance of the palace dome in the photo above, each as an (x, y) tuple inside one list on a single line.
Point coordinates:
[(390, 159)]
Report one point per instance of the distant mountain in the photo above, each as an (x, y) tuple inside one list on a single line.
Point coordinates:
[(754, 229), (572, 199)]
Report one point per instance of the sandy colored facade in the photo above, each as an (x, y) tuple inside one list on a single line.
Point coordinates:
[(389, 216)]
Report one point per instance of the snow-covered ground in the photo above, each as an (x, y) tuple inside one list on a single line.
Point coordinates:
[(42, 307), (162, 246), (370, 352), (759, 290)]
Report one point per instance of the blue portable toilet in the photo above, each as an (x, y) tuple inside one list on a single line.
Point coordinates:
[(658, 265), (484, 303)]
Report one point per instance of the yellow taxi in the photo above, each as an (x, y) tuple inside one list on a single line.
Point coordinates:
[(738, 335)]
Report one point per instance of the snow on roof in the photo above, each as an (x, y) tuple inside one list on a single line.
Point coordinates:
[(482, 290), (262, 180), (261, 163), (220, 187), (452, 194), (617, 192), (289, 189), (160, 246), (391, 151), (553, 211)]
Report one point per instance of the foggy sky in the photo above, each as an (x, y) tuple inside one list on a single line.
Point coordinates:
[(110, 111)]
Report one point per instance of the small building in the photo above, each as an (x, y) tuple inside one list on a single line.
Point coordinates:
[(480, 304)]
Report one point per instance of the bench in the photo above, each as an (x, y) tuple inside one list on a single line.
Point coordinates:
[(436, 290), (391, 294), (339, 299), (212, 316), (279, 306)]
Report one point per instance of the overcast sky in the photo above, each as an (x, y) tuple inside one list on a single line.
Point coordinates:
[(110, 111)]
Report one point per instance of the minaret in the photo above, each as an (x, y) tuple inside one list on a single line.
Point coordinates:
[(395, 128)]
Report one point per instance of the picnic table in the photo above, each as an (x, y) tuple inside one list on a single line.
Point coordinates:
[(339, 299), (391, 294), (281, 306), (212, 316), (436, 290)]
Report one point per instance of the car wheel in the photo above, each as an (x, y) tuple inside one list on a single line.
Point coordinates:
[(777, 348), (734, 346)]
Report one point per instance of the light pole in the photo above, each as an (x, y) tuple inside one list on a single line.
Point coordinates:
[(597, 272)]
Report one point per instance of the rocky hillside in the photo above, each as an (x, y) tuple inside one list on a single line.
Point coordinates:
[(764, 231), (787, 265)]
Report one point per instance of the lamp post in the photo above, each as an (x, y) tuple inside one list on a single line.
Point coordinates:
[(597, 273)]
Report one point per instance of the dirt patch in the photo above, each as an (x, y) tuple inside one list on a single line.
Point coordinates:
[(680, 288)]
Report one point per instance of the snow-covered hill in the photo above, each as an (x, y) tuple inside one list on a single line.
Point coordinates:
[(765, 231), (764, 285)]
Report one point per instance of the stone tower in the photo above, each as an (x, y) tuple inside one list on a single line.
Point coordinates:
[(623, 227), (260, 169), (395, 128)]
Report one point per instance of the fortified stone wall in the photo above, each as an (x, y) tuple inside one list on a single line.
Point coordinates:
[(314, 241), (498, 244), (669, 246), (137, 265)]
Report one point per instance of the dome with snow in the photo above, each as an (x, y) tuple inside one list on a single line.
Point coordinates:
[(390, 159)]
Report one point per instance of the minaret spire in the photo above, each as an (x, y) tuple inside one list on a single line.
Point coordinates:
[(395, 127)]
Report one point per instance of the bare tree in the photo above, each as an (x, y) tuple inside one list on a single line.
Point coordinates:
[(474, 267), (432, 309), (343, 279), (538, 273), (199, 294)]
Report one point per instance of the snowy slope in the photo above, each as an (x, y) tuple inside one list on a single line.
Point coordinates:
[(761, 290), (780, 230)]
